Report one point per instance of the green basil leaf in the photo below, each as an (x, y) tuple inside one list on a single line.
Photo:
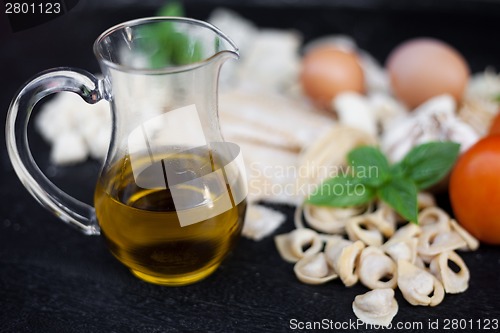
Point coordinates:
[(428, 163), (172, 8), (342, 191), (164, 45), (369, 165), (397, 170), (401, 194)]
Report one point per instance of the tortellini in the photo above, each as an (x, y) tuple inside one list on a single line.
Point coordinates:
[(365, 244)]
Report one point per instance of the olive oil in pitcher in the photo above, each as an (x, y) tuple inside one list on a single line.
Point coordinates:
[(143, 229)]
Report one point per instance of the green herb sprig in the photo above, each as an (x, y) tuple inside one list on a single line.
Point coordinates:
[(370, 176), (165, 44)]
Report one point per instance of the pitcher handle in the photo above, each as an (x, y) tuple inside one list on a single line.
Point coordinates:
[(67, 208)]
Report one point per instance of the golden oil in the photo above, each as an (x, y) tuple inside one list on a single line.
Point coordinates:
[(142, 227)]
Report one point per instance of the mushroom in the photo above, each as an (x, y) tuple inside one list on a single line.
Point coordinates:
[(417, 285), (292, 246), (342, 255), (354, 110), (376, 270), (453, 282), (313, 269), (376, 307), (364, 228)]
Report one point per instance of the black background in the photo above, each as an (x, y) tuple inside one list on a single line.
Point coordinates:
[(53, 279)]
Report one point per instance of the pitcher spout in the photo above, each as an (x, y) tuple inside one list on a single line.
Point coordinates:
[(165, 45), (227, 49)]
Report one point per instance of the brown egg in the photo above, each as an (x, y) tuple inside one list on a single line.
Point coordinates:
[(327, 71), (423, 68)]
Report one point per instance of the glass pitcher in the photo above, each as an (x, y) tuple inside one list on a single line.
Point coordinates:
[(171, 197)]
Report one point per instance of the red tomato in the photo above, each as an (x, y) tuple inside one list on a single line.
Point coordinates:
[(475, 190), (495, 125)]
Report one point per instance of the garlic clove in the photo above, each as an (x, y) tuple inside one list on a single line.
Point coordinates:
[(434, 120), (386, 108)]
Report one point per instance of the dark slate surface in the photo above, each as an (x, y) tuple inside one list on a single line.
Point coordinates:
[(53, 279)]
